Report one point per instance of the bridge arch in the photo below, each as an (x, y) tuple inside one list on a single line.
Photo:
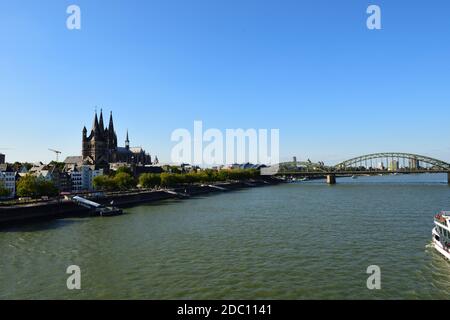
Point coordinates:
[(414, 160)]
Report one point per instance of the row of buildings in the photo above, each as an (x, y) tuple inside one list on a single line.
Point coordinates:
[(65, 179), (100, 154)]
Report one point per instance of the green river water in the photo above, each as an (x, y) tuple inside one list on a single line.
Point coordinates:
[(303, 240)]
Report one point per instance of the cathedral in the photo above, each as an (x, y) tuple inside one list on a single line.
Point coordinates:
[(100, 147)]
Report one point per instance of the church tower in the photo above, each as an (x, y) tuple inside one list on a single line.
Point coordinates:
[(85, 147), (95, 148), (101, 125), (112, 137), (100, 148), (127, 142)]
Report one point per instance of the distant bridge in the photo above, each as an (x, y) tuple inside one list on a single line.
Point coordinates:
[(370, 164)]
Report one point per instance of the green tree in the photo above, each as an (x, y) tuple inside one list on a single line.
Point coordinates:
[(27, 187), (192, 177), (222, 175), (30, 186), (46, 188), (149, 180), (124, 181), (169, 179), (124, 170), (3, 191), (104, 183)]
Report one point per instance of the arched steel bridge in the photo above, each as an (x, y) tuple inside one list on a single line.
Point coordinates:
[(370, 164), (394, 160)]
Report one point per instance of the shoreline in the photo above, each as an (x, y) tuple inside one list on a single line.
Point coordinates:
[(60, 209)]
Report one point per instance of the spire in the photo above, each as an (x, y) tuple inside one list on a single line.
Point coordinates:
[(127, 142), (111, 123), (102, 126), (95, 124)]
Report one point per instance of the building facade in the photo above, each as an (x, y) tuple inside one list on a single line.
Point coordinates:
[(8, 179), (51, 173), (2, 158), (83, 176), (100, 147)]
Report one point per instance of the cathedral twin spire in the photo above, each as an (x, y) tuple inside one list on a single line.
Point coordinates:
[(102, 126), (100, 147), (98, 127)]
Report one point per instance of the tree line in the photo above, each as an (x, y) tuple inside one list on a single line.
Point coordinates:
[(34, 187), (123, 180)]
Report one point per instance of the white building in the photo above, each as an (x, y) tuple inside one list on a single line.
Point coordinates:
[(8, 179), (77, 181), (83, 177)]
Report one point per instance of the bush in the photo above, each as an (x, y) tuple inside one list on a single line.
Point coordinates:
[(241, 174), (3, 191), (191, 177), (105, 183), (207, 176), (46, 188), (149, 180), (171, 179), (124, 181), (123, 170), (30, 186)]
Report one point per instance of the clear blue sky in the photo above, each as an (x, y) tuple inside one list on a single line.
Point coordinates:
[(310, 68)]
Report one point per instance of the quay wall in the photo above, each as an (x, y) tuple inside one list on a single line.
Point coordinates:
[(66, 208), (51, 210)]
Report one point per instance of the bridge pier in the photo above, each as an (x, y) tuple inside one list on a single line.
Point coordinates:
[(331, 179), (448, 178)]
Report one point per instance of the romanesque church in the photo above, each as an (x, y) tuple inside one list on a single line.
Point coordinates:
[(100, 146)]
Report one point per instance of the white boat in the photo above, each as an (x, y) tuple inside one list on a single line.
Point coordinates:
[(441, 233), (354, 177)]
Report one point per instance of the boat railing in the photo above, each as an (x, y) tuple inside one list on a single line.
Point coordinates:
[(439, 218)]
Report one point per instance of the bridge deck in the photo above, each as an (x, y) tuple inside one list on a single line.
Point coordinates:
[(346, 173)]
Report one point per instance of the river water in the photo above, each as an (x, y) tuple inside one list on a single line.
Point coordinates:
[(303, 240)]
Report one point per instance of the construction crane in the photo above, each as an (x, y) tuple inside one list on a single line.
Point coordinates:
[(57, 154)]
